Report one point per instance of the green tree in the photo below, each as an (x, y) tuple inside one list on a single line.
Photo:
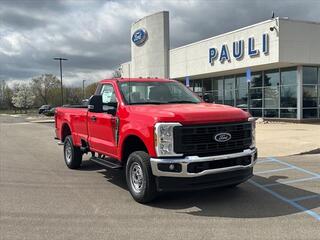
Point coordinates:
[(2, 87), (6, 94)]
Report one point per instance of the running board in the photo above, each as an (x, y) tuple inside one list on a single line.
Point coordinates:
[(109, 163)]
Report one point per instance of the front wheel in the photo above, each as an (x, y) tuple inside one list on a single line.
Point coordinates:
[(72, 154), (140, 180)]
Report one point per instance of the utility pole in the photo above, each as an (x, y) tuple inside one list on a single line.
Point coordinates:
[(83, 91), (61, 86)]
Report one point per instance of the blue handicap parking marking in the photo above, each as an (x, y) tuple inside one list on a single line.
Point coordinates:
[(293, 166), (305, 197), (292, 181), (291, 201)]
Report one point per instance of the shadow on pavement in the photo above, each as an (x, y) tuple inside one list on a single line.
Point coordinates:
[(243, 201), (116, 177)]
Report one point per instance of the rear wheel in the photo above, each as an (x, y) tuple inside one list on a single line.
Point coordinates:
[(140, 180), (72, 154)]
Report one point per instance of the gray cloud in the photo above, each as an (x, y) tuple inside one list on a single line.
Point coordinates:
[(95, 35), (19, 21)]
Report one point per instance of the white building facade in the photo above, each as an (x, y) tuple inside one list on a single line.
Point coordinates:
[(271, 68)]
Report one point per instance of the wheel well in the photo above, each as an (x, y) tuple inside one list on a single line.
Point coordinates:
[(65, 131), (130, 145)]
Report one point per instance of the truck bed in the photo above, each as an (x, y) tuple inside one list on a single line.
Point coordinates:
[(76, 117)]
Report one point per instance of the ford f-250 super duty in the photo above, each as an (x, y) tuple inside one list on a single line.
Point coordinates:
[(163, 135)]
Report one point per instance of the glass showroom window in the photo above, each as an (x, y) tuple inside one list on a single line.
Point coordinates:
[(197, 87), (271, 93), (256, 80), (319, 92), (229, 90), (191, 83), (310, 92), (288, 92), (207, 87), (217, 90), (241, 92), (255, 93)]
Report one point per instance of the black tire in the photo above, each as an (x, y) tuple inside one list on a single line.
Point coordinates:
[(72, 154), (143, 190)]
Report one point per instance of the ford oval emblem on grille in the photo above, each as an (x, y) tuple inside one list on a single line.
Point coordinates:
[(222, 137)]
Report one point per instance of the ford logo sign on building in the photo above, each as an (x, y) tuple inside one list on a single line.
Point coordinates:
[(222, 137), (139, 36)]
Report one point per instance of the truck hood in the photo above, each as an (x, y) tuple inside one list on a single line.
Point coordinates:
[(191, 113)]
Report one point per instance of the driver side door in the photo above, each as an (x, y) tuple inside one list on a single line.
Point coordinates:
[(101, 126)]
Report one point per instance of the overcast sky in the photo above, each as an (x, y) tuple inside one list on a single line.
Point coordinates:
[(95, 35)]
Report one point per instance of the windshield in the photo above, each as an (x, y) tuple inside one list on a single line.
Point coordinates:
[(156, 93)]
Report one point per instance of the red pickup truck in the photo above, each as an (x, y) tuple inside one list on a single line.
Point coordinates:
[(163, 135)]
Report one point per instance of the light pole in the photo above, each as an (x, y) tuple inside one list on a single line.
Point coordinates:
[(60, 60), (84, 96)]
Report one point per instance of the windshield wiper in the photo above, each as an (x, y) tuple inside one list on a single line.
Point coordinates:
[(181, 101)]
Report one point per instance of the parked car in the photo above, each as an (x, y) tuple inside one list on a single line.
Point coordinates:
[(44, 108), (163, 135), (49, 112)]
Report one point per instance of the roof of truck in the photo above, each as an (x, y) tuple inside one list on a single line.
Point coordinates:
[(137, 80)]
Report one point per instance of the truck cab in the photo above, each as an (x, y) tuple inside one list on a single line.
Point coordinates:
[(162, 134)]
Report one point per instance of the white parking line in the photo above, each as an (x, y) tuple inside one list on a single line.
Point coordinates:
[(273, 170), (19, 123), (291, 181), (265, 161)]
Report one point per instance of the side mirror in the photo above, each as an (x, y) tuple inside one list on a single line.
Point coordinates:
[(112, 108), (208, 98), (112, 104), (95, 104)]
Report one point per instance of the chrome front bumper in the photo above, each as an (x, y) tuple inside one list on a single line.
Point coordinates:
[(192, 159)]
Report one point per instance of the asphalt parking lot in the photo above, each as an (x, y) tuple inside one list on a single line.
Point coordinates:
[(40, 198)]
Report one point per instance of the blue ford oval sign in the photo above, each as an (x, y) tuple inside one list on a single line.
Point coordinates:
[(222, 137), (139, 36)]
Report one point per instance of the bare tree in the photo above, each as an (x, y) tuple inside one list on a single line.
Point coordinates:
[(42, 86), (90, 89)]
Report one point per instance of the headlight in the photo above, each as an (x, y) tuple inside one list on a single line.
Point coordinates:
[(163, 139), (253, 124)]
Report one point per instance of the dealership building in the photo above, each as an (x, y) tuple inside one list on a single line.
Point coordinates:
[(271, 68)]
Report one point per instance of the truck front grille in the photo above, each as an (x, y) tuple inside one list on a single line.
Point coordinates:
[(200, 140), (197, 167)]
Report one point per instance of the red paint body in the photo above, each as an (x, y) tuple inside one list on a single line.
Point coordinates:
[(137, 120)]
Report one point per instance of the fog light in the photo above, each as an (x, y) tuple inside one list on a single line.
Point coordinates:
[(171, 167)]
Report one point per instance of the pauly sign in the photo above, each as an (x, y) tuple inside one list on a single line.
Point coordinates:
[(238, 50)]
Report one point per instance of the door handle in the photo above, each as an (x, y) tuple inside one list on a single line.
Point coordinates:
[(93, 118)]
